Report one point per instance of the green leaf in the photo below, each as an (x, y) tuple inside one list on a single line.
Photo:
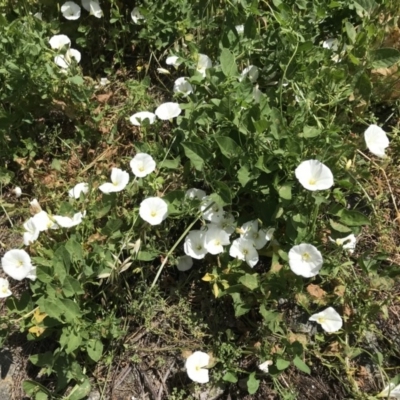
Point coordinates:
[(111, 226), (339, 227), (311, 131), (364, 86), (252, 383), (95, 349), (365, 7), (353, 218), (197, 153), (301, 365), (228, 63), (170, 164), (80, 391), (351, 32), (282, 364), (385, 57), (147, 255), (239, 305), (71, 287), (285, 191), (230, 377), (32, 387), (223, 191), (74, 248), (42, 360), (229, 148), (77, 80), (249, 280)]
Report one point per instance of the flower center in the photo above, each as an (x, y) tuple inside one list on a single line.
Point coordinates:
[(153, 213), (199, 247), (20, 263), (141, 168), (245, 252), (321, 320), (217, 242), (306, 257), (4, 290), (197, 368), (312, 181)]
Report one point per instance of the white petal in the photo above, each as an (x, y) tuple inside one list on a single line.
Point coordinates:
[(71, 10), (195, 364), (58, 41), (305, 260), (168, 110), (137, 16), (79, 188), (376, 140), (313, 175), (153, 210), (181, 85), (142, 165), (194, 193), (141, 117), (194, 244), (17, 264), (329, 319)]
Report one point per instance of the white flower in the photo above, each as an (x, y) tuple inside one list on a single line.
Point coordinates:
[(136, 15), (119, 180), (64, 60), (239, 29), (184, 263), (376, 140), (17, 191), (251, 71), (17, 264), (142, 116), (67, 222), (163, 71), (35, 206), (215, 213), (79, 188), (194, 193), (250, 231), (257, 94), (329, 319), (195, 366), (203, 63), (71, 10), (93, 7), (227, 223), (305, 260), (142, 165), (264, 366), (59, 41), (313, 175), (173, 60), (153, 210), (31, 232), (168, 110), (392, 390), (194, 244), (181, 85), (244, 250), (330, 44), (215, 239), (103, 82), (4, 288), (43, 222), (350, 245)]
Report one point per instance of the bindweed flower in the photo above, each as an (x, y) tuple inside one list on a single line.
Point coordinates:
[(239, 29), (329, 319), (18, 265), (313, 175), (67, 222), (31, 232), (305, 260), (93, 7), (142, 165), (142, 116), (103, 82), (391, 391), (168, 111), (376, 140), (184, 263), (195, 367), (215, 239), (251, 72), (250, 231), (215, 213), (43, 222), (330, 44), (4, 288), (203, 63), (153, 210), (79, 188), (70, 10), (137, 16), (173, 60), (264, 367), (348, 242), (17, 191), (194, 193), (59, 41), (181, 85), (227, 223), (257, 94), (65, 60), (119, 180), (194, 245), (244, 250)]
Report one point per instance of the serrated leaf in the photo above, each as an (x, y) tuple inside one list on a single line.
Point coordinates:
[(301, 365), (228, 63)]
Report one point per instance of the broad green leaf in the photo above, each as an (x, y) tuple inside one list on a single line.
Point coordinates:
[(77, 80), (285, 191), (32, 387), (229, 148), (282, 364), (364, 86), (42, 360), (71, 286), (170, 164), (301, 365), (228, 63), (351, 32), (197, 153), (244, 175), (385, 57), (252, 383), (147, 255), (311, 131), (239, 305), (353, 218), (80, 391), (111, 226), (74, 249), (339, 227), (365, 7), (230, 377), (95, 349), (223, 191), (249, 280)]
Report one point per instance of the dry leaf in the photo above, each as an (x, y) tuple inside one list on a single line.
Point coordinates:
[(316, 291), (36, 330), (339, 290), (298, 337)]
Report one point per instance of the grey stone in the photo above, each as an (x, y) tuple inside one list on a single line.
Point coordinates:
[(93, 395)]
